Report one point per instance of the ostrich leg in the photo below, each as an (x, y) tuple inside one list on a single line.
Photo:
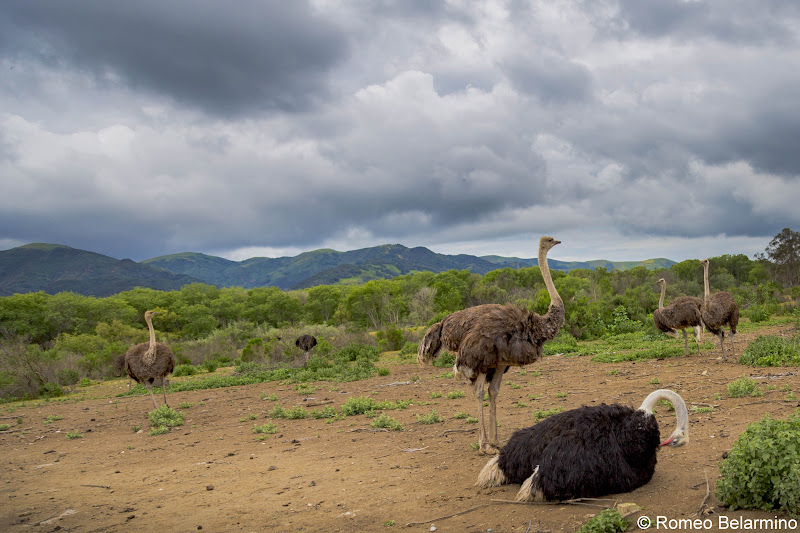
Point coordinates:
[(697, 332), (164, 390), (478, 390), (150, 389), (686, 340), (494, 390)]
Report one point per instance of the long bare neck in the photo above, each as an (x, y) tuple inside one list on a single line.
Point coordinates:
[(150, 355), (663, 293), (555, 299), (681, 432), (705, 283)]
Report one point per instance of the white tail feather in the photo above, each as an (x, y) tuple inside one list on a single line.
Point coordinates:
[(530, 490), (491, 475)]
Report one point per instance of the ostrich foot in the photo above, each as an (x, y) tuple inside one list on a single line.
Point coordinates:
[(489, 449)]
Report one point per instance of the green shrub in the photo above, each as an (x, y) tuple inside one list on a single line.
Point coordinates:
[(770, 350), (540, 414), (326, 412), (266, 429), (210, 365), (253, 351), (744, 386), (165, 416), (67, 376), (50, 390), (409, 349), (295, 413), (431, 418), (5, 427), (74, 435), (608, 521), (184, 370), (444, 360), (383, 371), (387, 422), (763, 468), (756, 313), (390, 339), (357, 352), (563, 343)]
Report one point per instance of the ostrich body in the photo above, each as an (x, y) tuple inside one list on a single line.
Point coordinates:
[(719, 309), (585, 452), (682, 313), (305, 343), (488, 339), (148, 362)]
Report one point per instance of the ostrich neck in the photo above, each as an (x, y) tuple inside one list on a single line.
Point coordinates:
[(682, 413), (663, 292), (555, 299), (151, 348), (705, 283)]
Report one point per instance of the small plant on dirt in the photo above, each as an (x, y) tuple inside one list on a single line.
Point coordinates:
[(453, 395), (185, 405), (513, 385), (388, 523), (184, 370), (74, 435), (561, 395), (446, 375), (608, 521), (431, 418), (383, 371), (667, 404), (790, 397), (444, 360), (475, 446), (251, 416), (326, 412), (158, 430), (697, 410), (165, 416), (135, 428), (414, 378), (471, 420), (520, 404), (540, 414), (460, 415), (52, 418), (5, 427), (295, 413), (266, 429), (771, 350), (435, 395), (744, 386), (655, 381), (762, 468), (387, 422), (271, 397)]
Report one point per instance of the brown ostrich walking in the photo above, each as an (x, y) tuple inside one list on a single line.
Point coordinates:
[(682, 313), (488, 339), (305, 343), (148, 362), (718, 310)]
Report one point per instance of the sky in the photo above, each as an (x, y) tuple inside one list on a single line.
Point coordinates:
[(626, 129)]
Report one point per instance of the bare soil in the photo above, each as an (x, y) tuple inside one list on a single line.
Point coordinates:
[(214, 474)]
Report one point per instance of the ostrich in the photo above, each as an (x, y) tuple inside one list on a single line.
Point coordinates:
[(305, 343), (489, 338), (148, 362), (119, 370), (585, 452), (718, 310), (682, 313)]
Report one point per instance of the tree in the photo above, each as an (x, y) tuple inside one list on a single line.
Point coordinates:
[(322, 302), (783, 252)]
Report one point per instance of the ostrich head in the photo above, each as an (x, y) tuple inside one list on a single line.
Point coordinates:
[(680, 436), (662, 281), (150, 314), (545, 243), (704, 262)]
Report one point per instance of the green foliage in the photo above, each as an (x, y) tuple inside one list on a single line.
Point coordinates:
[(540, 414), (253, 351), (655, 351), (5, 427), (390, 339), (771, 350), (158, 430), (295, 413), (363, 405), (52, 418), (387, 422), (326, 412), (744, 386), (762, 468), (165, 416), (756, 313), (409, 349), (184, 370), (266, 429), (444, 360), (607, 521), (383, 371), (563, 343), (431, 418), (74, 435), (452, 395)]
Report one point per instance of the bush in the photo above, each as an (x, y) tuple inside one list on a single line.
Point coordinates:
[(431, 418), (444, 360), (744, 386), (390, 339), (762, 468), (409, 349), (608, 521), (184, 370), (253, 351), (357, 352), (770, 350), (210, 365), (756, 313), (387, 422), (67, 376), (165, 416)]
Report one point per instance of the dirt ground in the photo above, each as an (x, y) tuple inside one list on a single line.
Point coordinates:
[(213, 473)]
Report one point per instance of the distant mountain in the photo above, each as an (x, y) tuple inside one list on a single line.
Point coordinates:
[(54, 268)]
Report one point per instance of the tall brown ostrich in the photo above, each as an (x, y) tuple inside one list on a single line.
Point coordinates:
[(147, 362), (487, 339), (305, 343), (682, 313), (718, 310)]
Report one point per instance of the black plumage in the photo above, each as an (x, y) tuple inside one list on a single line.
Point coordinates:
[(585, 452), (306, 343)]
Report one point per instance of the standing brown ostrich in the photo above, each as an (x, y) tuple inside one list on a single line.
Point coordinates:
[(305, 343), (682, 313), (147, 362), (718, 310), (487, 339)]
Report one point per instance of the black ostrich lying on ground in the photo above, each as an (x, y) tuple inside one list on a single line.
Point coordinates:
[(585, 452)]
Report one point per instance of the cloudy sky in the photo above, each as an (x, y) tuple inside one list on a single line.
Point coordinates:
[(626, 129)]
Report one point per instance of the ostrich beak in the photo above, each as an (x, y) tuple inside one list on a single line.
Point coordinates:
[(667, 442)]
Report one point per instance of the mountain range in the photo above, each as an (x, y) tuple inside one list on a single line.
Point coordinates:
[(55, 268)]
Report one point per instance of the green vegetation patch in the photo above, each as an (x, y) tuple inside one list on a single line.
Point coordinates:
[(744, 386), (607, 521), (165, 416), (540, 414), (762, 468), (771, 350), (385, 421)]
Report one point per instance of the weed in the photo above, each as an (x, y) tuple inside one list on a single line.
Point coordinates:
[(251, 416), (389, 523), (540, 414), (520, 404), (4, 427), (185, 405), (770, 350), (271, 397), (184, 370), (158, 430), (435, 395), (655, 381), (790, 397), (444, 360), (561, 395), (386, 421), (361, 405), (295, 413), (431, 418), (460, 415), (667, 404), (513, 385), (744, 386), (452, 395), (471, 420), (165, 416), (607, 521), (614, 372), (52, 418), (74, 435), (786, 388), (383, 371), (446, 375), (136, 428), (326, 412), (475, 446), (697, 410), (762, 468), (266, 429)]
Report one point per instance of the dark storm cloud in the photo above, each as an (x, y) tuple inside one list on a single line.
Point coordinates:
[(222, 58)]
